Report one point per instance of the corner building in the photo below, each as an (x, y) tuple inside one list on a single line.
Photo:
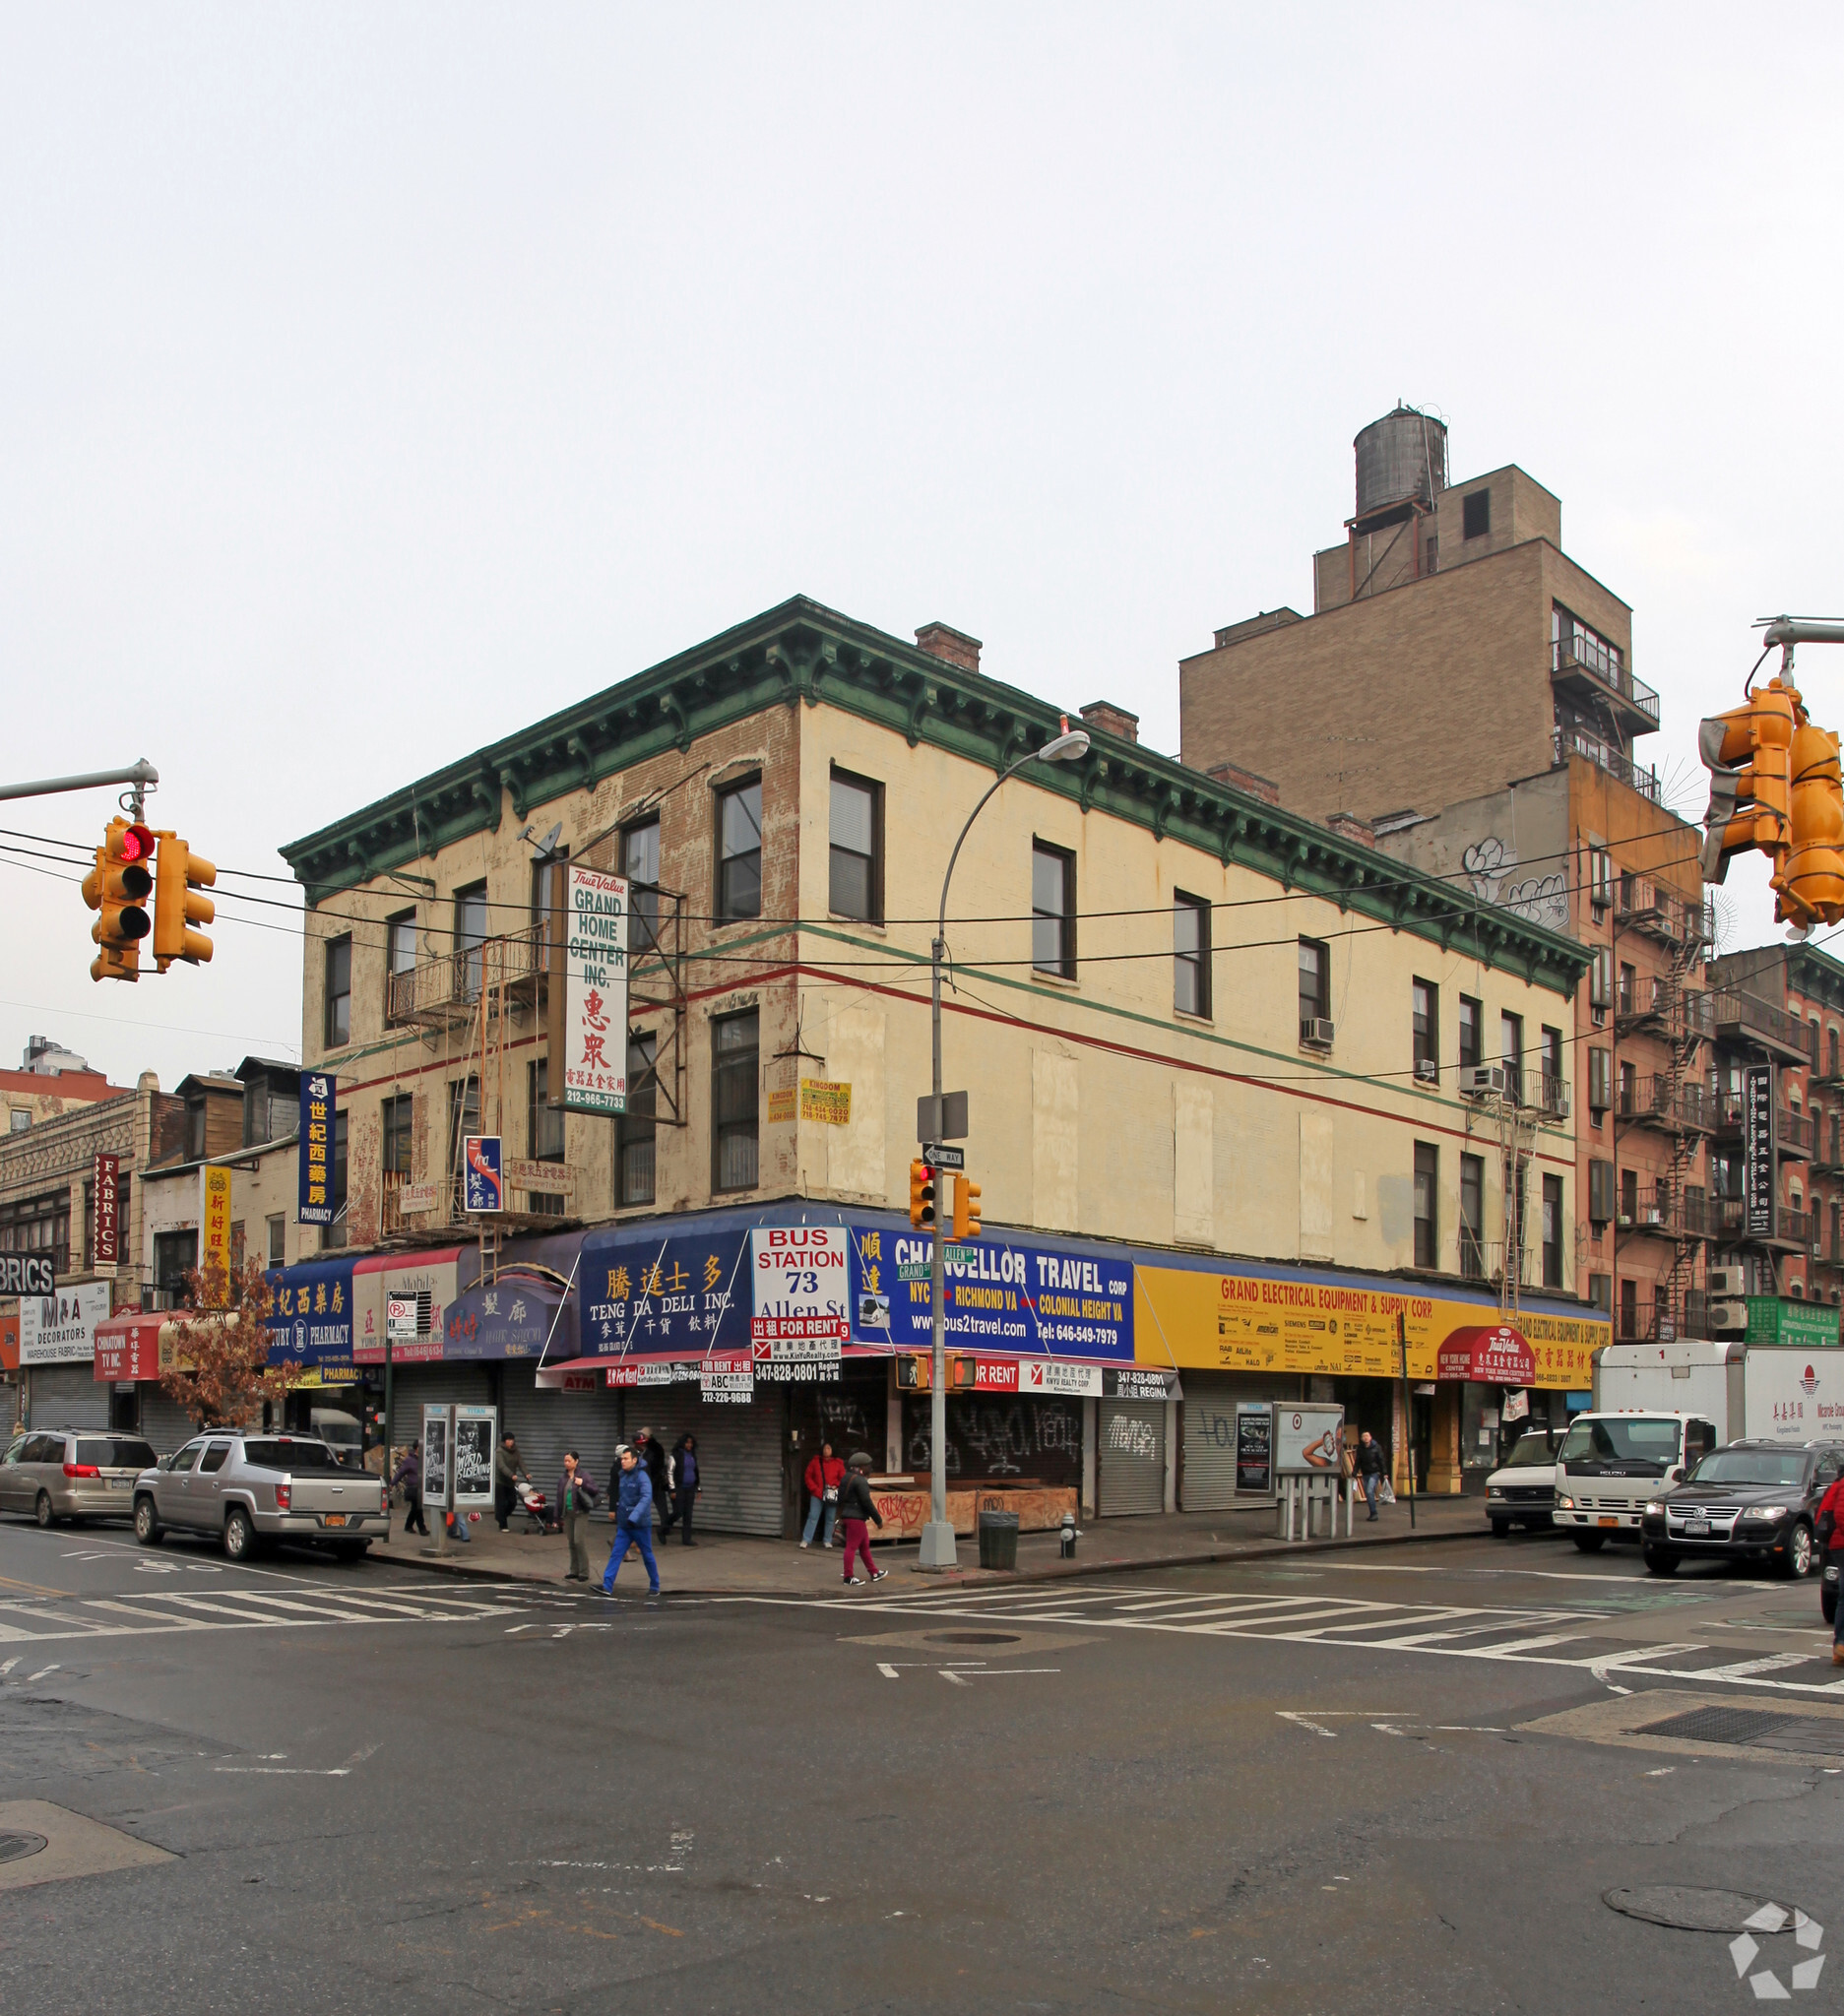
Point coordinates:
[(1199, 1185)]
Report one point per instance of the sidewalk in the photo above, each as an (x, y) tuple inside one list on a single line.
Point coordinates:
[(727, 1564)]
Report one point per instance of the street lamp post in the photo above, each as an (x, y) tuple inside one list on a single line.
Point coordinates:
[(937, 1537)]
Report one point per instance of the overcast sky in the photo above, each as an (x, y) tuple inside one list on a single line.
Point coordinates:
[(375, 380)]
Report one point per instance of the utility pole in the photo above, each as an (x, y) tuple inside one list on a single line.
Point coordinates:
[(937, 1537)]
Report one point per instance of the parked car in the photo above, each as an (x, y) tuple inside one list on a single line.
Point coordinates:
[(72, 1473), (256, 1489), (1750, 1500), (1523, 1492)]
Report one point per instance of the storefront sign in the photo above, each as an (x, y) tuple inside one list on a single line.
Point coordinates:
[(508, 1318), (106, 1187), (213, 1236), (1045, 1375), (729, 1378), (1255, 1447), (1340, 1327), (827, 1101), (555, 1178), (314, 1194), (801, 1299), (690, 1290), (9, 1343), (1757, 1155), (1000, 1296), (1306, 1438), (415, 1198), (27, 1274), (1139, 1382), (482, 1180), (1492, 1353), (631, 1373), (1805, 1326), (311, 1318), (780, 1104), (430, 1275), (595, 993), (60, 1329)]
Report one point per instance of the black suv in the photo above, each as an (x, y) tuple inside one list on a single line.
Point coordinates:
[(1752, 1501)]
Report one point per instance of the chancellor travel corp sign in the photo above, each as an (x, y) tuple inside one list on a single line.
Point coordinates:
[(595, 993)]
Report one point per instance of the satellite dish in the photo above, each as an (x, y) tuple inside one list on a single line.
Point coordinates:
[(553, 836)]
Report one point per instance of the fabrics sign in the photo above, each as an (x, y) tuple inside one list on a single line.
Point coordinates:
[(105, 1183), (314, 1196), (595, 993)]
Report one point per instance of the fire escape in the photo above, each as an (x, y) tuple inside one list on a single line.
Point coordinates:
[(1676, 1101)]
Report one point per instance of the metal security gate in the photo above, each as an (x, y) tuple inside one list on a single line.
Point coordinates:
[(1131, 1470), (1208, 1483), (548, 1422), (68, 1397), (164, 1421), (739, 1452)]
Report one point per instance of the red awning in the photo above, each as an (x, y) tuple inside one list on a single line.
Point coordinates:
[(1493, 1354), (128, 1346)]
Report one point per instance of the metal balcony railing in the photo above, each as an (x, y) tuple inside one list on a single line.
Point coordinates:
[(1650, 1100), (1740, 1017), (1794, 1133), (1606, 670), (445, 989), (1566, 738)]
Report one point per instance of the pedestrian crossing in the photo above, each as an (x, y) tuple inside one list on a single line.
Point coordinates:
[(27, 1622), (1538, 1635)]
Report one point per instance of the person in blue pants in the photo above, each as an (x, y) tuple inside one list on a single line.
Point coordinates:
[(633, 1521)]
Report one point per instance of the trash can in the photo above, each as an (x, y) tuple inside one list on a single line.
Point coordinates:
[(998, 1540)]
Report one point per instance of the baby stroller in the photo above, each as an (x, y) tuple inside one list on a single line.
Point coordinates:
[(529, 1504)]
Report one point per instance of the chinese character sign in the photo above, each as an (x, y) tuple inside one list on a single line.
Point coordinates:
[(106, 1185), (1757, 1149), (213, 1235), (595, 988), (482, 1187), (802, 1297), (314, 1200)]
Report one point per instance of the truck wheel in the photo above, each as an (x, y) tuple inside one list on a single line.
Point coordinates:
[(1500, 1528), (43, 1513), (147, 1529), (1795, 1558), (1658, 1561), (1591, 1543), (239, 1534)]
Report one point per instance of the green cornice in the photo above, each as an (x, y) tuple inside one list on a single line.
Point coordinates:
[(806, 652)]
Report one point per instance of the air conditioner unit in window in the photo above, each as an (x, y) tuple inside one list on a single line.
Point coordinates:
[(1728, 1315), (1482, 1081), (1427, 1071), (1726, 1281), (1316, 1031)]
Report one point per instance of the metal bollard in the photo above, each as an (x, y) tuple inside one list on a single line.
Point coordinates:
[(1067, 1539)]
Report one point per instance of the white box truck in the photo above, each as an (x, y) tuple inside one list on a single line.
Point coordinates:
[(1767, 1392)]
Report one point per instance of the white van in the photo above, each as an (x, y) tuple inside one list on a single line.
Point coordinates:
[(1612, 1462)]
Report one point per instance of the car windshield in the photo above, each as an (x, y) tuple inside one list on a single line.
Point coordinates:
[(343, 1434), (116, 1453), (1532, 1449), (1622, 1438), (1751, 1466), (285, 1452)]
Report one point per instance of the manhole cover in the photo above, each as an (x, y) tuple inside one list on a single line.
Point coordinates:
[(1688, 1910), (972, 1638), (1720, 1725), (14, 1847)]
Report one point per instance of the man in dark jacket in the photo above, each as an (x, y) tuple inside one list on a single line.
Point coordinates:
[(408, 1474), (633, 1520), (855, 1507), (506, 1471), (652, 1457), (576, 1496), (1372, 1468)]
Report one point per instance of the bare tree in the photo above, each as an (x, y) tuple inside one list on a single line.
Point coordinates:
[(221, 1374)]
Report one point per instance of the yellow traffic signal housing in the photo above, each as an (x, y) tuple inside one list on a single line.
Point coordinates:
[(1810, 884), (117, 887), (179, 874), (963, 1372), (913, 1371), (1748, 752), (966, 1208), (922, 1196)]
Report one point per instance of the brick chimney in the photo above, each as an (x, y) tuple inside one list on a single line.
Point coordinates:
[(1348, 826), (1112, 719), (952, 647), (1240, 779)]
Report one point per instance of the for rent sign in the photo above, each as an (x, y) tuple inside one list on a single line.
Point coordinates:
[(595, 993), (800, 1307)]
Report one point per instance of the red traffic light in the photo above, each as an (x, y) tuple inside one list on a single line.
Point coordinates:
[(136, 843)]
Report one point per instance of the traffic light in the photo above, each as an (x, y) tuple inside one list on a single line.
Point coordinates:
[(963, 1372), (117, 886), (913, 1372), (1810, 884), (966, 1208), (1747, 753), (178, 872), (922, 1196)]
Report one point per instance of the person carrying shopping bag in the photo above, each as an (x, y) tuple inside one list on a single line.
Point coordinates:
[(824, 1475)]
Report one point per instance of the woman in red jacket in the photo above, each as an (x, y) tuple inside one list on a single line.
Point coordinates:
[(824, 1475), (1828, 1532)]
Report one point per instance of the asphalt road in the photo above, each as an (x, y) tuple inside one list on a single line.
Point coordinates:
[(1308, 1786)]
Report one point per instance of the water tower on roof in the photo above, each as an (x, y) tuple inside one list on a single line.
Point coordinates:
[(1402, 465)]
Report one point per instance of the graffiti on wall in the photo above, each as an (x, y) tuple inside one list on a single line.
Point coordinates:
[(1490, 865)]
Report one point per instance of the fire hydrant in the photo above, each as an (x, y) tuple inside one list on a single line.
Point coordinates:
[(1069, 1537)]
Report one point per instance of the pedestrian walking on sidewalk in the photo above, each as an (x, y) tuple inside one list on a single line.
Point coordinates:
[(408, 1474), (651, 1454), (507, 1470), (687, 1481), (1827, 1533), (576, 1496), (824, 1475), (1372, 1468), (855, 1507), (633, 1520)]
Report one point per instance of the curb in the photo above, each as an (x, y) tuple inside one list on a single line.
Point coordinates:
[(987, 1578)]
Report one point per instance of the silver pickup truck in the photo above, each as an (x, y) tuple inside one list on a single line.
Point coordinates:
[(254, 1491)]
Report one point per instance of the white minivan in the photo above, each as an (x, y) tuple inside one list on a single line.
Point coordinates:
[(1610, 1463)]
